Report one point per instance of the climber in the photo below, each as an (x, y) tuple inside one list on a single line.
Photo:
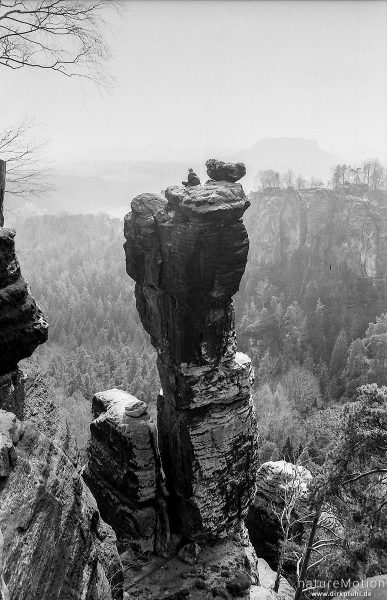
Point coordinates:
[(192, 178)]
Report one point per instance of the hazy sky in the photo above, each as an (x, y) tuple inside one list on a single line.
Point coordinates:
[(223, 73)]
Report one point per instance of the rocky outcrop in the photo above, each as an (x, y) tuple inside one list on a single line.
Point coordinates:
[(124, 473), (187, 252), (225, 171), (22, 326), (55, 545), (278, 483)]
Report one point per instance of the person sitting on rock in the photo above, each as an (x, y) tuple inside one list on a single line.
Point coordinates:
[(192, 179)]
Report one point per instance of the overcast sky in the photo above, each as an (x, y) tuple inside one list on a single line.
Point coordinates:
[(221, 74)]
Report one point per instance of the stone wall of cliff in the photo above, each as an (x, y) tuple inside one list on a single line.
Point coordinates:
[(333, 225)]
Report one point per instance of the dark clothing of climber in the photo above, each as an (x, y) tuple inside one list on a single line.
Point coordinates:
[(192, 179)]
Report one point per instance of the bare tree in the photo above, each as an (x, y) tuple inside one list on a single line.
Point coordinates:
[(19, 149), (61, 35), (292, 492), (377, 174), (300, 182), (288, 179), (269, 178), (65, 36)]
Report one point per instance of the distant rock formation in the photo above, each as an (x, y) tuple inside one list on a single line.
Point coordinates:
[(187, 253), (329, 227), (225, 171), (22, 326), (124, 473), (55, 546)]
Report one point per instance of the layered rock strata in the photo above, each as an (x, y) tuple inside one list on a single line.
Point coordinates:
[(124, 473), (55, 545), (187, 253), (22, 326)]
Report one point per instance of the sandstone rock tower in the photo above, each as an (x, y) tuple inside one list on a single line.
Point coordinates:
[(187, 253)]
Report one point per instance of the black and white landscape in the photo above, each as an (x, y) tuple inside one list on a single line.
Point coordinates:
[(193, 299)]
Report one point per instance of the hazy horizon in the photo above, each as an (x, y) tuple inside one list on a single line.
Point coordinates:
[(239, 73)]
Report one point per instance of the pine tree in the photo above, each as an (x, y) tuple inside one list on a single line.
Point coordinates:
[(339, 355), (287, 451)]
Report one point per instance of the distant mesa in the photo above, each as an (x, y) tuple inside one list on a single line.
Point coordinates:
[(225, 171)]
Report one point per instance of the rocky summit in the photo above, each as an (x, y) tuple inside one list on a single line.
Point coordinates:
[(225, 171), (22, 326), (187, 252)]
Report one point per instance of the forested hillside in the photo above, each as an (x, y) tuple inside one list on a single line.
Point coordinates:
[(312, 308), (311, 312), (76, 268)]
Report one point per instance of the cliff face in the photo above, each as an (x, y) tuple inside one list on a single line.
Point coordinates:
[(187, 252), (333, 226), (22, 326), (55, 544)]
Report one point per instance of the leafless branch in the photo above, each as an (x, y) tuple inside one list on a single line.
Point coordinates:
[(62, 35)]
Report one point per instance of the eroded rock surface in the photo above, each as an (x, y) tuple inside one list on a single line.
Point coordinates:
[(187, 252), (225, 171), (55, 545), (124, 473), (22, 326)]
